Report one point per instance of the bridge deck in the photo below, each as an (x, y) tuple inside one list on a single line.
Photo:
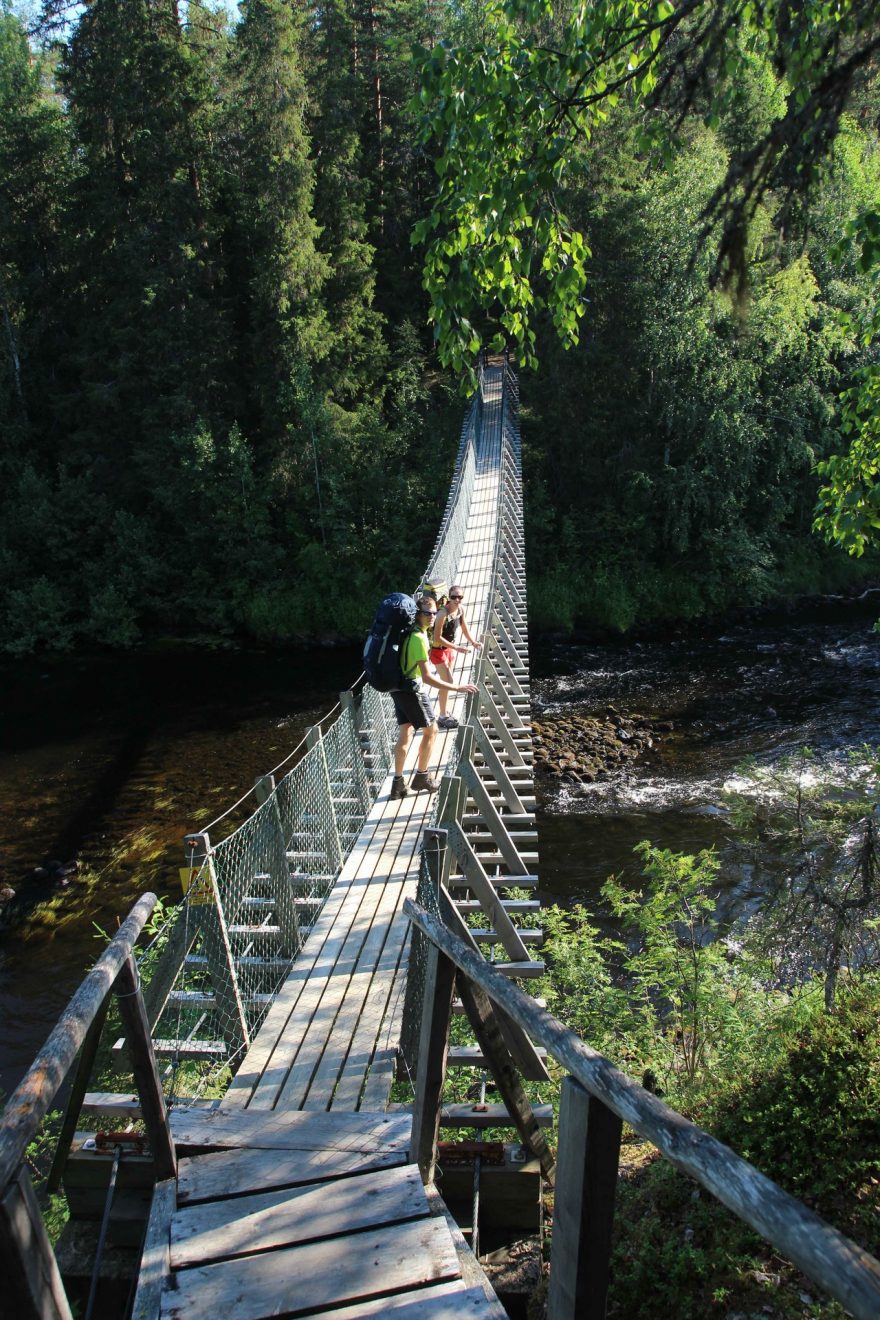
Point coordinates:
[(330, 1039), (303, 1214)]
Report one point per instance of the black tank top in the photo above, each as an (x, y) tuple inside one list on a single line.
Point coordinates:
[(450, 627)]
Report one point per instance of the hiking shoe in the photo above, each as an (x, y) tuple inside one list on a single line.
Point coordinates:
[(423, 779), (447, 722), (398, 788)]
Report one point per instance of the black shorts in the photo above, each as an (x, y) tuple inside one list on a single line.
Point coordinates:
[(413, 708)]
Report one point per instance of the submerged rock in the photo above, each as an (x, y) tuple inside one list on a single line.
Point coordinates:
[(585, 748)]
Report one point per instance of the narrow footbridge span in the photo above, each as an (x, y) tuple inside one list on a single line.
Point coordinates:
[(286, 1032)]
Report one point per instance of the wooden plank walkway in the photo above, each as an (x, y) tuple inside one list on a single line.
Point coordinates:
[(298, 1214), (330, 1040)]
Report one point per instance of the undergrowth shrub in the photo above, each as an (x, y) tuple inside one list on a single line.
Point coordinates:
[(806, 1117)]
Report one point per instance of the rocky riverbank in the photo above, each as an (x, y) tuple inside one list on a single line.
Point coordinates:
[(581, 749)]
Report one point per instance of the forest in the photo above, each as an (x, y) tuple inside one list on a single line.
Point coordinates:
[(225, 412)]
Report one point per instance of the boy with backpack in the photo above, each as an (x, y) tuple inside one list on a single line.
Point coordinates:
[(411, 704)]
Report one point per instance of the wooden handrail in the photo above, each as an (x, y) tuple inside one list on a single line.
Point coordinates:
[(843, 1268), (31, 1099)]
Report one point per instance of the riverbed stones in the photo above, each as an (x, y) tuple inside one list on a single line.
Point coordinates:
[(582, 749)]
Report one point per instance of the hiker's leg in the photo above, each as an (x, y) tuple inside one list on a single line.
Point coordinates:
[(429, 734), (446, 674), (401, 747)]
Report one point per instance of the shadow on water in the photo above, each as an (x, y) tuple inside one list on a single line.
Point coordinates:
[(109, 760)]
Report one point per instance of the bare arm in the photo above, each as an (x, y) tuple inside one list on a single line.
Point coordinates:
[(438, 639), (478, 646), (433, 681)]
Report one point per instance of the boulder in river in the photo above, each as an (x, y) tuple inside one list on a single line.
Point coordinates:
[(578, 748)]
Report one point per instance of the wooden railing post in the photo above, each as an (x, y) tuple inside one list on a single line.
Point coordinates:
[(433, 1049), (583, 1205), (143, 1064), (434, 846), (31, 1282)]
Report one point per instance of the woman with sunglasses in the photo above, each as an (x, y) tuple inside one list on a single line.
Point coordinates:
[(449, 618)]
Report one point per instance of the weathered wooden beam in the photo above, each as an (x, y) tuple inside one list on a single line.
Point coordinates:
[(155, 1268), (146, 1074), (492, 819), (78, 1089), (433, 1049), (31, 1099), (485, 892), (587, 1155)]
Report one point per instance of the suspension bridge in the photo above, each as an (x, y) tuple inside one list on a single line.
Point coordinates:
[(317, 962)]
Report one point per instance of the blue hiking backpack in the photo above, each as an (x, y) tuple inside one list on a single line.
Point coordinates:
[(395, 619)]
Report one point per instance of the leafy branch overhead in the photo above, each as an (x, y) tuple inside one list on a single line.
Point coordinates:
[(507, 109)]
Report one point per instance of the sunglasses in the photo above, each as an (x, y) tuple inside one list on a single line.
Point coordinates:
[(454, 597), (430, 613)]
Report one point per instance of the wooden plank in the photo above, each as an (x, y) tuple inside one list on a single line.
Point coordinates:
[(383, 1065), (235, 1172), (339, 895), (472, 1056), (296, 1280), (350, 998), (289, 1130), (368, 1035), (489, 1115), (489, 935), (221, 1230), (267, 1053), (442, 1301), (154, 1267)]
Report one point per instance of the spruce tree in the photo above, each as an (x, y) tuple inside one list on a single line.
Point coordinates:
[(35, 171), (150, 352), (275, 268)]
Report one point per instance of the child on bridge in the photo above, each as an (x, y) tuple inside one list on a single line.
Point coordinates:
[(413, 708)]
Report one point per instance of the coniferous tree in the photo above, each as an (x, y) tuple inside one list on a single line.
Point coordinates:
[(150, 352), (276, 270), (35, 174), (357, 357)]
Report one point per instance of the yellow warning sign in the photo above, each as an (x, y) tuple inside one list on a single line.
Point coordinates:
[(196, 882)]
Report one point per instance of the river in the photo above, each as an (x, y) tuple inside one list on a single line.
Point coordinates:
[(109, 760)]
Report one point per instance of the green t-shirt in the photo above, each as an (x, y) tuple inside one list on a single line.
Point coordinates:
[(413, 652)]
